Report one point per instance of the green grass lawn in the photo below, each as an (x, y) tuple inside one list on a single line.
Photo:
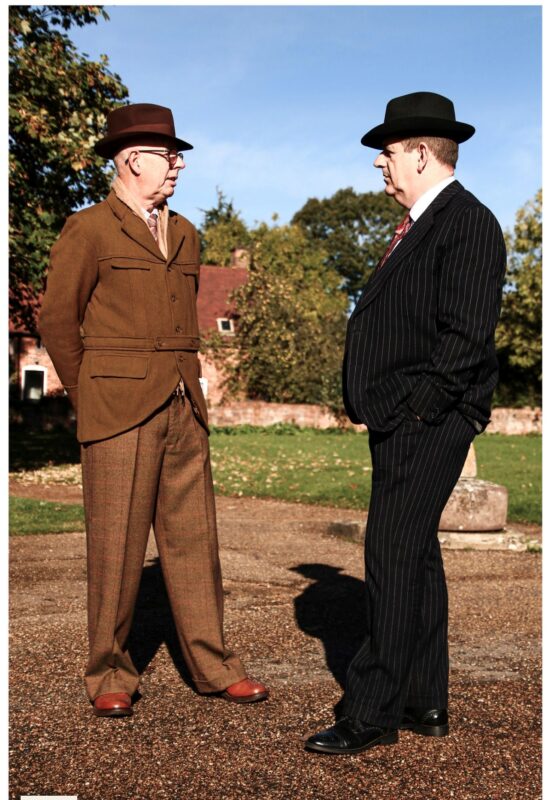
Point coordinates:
[(38, 516), (320, 467), (330, 468), (514, 462), (334, 468)]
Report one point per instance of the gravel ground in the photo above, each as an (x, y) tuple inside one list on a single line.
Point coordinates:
[(293, 608)]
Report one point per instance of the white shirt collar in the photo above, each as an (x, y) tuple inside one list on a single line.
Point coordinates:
[(423, 202)]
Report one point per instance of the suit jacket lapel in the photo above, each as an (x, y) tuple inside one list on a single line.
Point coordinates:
[(412, 239), (134, 227), (175, 237)]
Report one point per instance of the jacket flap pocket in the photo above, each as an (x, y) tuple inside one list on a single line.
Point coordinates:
[(120, 262), (187, 267), (112, 366)]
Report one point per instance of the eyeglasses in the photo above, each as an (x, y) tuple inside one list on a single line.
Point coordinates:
[(171, 156)]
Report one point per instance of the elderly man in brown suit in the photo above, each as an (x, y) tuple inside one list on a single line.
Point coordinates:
[(119, 320)]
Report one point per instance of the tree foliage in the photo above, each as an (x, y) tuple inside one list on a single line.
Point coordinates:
[(222, 231), (354, 230), (59, 101), (291, 323), (518, 335)]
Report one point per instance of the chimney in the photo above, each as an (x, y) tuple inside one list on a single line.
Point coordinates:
[(240, 258)]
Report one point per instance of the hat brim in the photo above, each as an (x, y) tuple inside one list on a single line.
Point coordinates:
[(417, 126), (109, 145)]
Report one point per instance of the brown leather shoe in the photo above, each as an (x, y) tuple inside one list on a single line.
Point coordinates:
[(115, 704), (245, 691)]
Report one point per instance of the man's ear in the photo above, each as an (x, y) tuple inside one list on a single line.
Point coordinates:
[(134, 162), (423, 159)]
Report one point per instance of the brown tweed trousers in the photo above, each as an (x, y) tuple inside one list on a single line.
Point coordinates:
[(157, 471), (120, 323)]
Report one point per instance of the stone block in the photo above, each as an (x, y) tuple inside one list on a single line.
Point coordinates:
[(491, 540), (469, 467), (354, 531), (475, 505)]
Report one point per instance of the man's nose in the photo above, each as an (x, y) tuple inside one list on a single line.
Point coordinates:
[(379, 161)]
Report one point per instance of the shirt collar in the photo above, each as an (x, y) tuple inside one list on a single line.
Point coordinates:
[(423, 202)]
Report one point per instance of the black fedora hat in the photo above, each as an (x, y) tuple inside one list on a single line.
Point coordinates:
[(418, 114), (139, 119)]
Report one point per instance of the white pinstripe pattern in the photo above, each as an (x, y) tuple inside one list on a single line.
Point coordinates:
[(403, 660), (420, 343), (423, 330)]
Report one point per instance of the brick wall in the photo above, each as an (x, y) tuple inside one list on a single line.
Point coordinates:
[(32, 355), (515, 421), (510, 421), (255, 412)]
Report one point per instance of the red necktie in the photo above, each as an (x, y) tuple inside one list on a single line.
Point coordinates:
[(152, 223), (399, 233)]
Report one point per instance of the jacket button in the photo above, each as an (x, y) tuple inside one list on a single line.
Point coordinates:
[(173, 298), (178, 329), (180, 357)]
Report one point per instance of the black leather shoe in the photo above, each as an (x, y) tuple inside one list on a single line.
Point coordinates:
[(428, 722), (350, 736)]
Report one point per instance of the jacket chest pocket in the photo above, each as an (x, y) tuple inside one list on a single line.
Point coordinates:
[(189, 271), (127, 262), (183, 279), (131, 281)]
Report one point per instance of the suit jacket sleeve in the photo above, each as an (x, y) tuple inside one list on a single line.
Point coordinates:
[(72, 276), (469, 300)]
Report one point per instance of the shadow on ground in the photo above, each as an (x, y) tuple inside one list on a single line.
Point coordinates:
[(153, 624), (333, 610), (42, 448)]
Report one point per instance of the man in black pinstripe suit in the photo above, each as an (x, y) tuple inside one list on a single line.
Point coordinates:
[(419, 370)]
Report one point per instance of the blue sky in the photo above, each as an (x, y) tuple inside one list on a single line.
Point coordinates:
[(275, 99)]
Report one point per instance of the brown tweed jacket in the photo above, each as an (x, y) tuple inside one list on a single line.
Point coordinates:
[(119, 320)]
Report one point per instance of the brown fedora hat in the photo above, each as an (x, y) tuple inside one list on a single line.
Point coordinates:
[(418, 114), (138, 119)]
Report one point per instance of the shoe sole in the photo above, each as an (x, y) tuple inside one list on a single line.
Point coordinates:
[(427, 730), (250, 698), (389, 738), (113, 712)]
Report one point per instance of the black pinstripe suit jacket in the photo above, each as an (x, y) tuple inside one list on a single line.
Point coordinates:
[(421, 338)]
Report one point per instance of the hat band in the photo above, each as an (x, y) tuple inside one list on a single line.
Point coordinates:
[(150, 127)]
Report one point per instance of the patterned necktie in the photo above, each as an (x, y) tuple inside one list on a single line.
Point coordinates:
[(152, 223), (399, 233)]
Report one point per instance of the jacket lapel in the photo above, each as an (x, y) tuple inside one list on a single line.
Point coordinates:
[(412, 239), (176, 236), (133, 226)]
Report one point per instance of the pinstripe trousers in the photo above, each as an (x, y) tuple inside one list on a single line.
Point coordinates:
[(403, 660), (158, 472)]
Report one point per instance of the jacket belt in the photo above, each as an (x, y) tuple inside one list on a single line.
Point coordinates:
[(135, 343)]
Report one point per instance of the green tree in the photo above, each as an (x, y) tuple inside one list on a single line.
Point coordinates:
[(222, 231), (354, 230), (291, 323), (58, 105), (518, 335)]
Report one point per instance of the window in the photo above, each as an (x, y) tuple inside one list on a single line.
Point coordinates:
[(33, 386), (225, 325)]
